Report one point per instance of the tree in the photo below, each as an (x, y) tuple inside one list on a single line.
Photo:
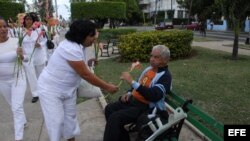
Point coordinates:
[(236, 12), (98, 11), (133, 14), (10, 9), (201, 8)]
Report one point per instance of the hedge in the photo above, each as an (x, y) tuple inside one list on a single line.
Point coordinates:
[(101, 10), (138, 45), (10, 9)]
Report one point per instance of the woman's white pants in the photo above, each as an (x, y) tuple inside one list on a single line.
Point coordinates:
[(14, 94), (59, 114), (32, 73)]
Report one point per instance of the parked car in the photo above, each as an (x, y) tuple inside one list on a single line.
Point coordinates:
[(163, 25), (192, 26)]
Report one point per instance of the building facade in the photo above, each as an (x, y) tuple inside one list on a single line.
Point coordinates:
[(152, 7)]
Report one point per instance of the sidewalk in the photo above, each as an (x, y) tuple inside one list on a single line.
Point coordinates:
[(220, 45)]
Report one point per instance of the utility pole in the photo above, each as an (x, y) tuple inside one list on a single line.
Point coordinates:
[(247, 39), (47, 9), (171, 5), (190, 9), (56, 9), (156, 2)]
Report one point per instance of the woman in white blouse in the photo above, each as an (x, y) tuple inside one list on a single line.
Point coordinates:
[(60, 79), (12, 87), (37, 61)]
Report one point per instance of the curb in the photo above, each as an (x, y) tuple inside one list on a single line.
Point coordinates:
[(102, 101)]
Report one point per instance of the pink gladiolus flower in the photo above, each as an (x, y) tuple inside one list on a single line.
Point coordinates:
[(36, 25), (39, 36), (135, 65)]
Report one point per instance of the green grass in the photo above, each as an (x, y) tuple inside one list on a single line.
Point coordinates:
[(80, 100), (242, 46), (218, 85), (205, 39)]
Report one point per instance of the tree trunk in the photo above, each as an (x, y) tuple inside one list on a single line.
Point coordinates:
[(236, 39), (112, 23)]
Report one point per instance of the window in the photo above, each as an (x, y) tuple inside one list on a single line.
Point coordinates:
[(180, 14)]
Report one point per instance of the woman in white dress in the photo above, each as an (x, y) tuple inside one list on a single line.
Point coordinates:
[(60, 79), (12, 87), (37, 61)]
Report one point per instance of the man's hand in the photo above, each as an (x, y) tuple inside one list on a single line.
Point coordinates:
[(125, 98), (127, 77)]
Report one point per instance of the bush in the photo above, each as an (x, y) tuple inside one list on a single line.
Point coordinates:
[(138, 45)]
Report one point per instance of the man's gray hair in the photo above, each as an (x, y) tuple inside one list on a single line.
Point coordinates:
[(165, 52)]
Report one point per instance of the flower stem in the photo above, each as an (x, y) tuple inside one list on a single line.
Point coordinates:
[(107, 95), (18, 66), (32, 54)]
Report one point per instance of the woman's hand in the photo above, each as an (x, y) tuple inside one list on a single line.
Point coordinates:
[(112, 88), (90, 62), (37, 45), (127, 77), (19, 52)]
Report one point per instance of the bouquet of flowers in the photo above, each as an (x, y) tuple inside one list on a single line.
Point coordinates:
[(135, 65), (20, 35), (35, 26), (51, 27)]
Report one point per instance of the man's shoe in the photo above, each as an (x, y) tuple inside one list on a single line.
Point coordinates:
[(34, 99)]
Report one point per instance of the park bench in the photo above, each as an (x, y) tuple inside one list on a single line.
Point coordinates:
[(207, 126), (110, 43), (115, 43), (105, 49), (201, 123)]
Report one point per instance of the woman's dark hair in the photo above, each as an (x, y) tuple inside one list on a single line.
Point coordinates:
[(79, 30), (31, 15), (1, 18)]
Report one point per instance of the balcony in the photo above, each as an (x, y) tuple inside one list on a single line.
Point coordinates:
[(144, 2), (145, 10)]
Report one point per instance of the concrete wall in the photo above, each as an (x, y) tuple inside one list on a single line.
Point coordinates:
[(247, 26), (217, 27)]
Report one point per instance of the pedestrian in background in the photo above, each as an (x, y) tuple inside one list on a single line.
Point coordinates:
[(34, 47), (211, 25)]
